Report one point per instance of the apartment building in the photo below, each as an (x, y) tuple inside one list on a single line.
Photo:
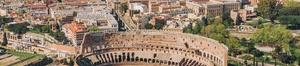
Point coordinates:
[(75, 32), (212, 7)]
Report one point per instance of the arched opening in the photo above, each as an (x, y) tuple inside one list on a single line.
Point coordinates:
[(155, 55), (128, 57)]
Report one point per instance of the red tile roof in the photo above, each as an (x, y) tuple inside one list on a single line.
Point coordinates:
[(77, 27)]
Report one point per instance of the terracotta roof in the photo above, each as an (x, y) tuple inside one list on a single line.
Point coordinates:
[(36, 6), (76, 27)]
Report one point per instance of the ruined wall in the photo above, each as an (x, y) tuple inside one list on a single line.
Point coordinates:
[(153, 47)]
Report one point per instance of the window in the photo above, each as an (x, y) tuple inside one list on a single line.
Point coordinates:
[(155, 55), (186, 45)]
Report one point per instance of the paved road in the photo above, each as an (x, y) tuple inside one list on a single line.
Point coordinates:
[(127, 21)]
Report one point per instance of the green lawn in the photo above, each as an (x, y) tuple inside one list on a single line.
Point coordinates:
[(233, 63), (24, 57), (20, 55)]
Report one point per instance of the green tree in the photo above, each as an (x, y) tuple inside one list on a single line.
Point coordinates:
[(286, 11), (60, 36), (227, 21), (41, 29), (159, 26), (286, 58), (17, 28), (290, 7), (45, 29), (148, 26), (123, 7), (3, 20), (292, 22), (188, 30), (232, 42), (216, 30), (272, 35), (268, 9), (198, 27)]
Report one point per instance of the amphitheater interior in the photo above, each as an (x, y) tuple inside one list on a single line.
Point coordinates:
[(150, 48)]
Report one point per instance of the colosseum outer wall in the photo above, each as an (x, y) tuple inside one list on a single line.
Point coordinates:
[(152, 47)]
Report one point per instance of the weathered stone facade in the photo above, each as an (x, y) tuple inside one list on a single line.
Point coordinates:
[(151, 48)]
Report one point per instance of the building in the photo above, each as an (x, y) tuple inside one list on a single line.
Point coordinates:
[(30, 42), (254, 2), (151, 48), (138, 7), (75, 32), (212, 7), (156, 6), (3, 12), (63, 50), (231, 5), (180, 22), (237, 15), (103, 20), (243, 15)]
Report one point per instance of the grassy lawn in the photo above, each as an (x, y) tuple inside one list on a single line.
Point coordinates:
[(20, 55), (233, 63), (24, 57)]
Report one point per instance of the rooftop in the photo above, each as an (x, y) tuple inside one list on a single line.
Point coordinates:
[(76, 27), (63, 48)]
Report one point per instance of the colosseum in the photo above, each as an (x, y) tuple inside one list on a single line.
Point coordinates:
[(150, 48)]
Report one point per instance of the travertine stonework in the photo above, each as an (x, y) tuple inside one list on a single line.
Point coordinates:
[(151, 48)]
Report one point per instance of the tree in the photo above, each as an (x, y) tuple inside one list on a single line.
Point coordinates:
[(3, 20), (216, 30), (272, 35), (227, 21), (188, 30), (292, 22), (123, 7), (268, 9), (18, 28), (41, 29), (45, 29), (205, 20), (198, 27), (210, 18), (286, 58), (160, 23), (158, 26), (232, 42), (286, 11), (148, 26), (60, 36), (290, 7), (257, 23)]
